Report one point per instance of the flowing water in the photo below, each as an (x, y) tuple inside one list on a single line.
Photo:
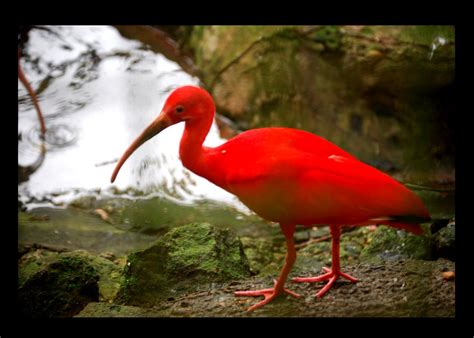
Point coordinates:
[(98, 91)]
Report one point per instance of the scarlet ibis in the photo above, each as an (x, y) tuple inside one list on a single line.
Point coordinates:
[(288, 176)]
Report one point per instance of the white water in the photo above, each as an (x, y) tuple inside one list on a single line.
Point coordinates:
[(100, 110)]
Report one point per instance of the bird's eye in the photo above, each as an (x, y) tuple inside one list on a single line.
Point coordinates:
[(179, 109)]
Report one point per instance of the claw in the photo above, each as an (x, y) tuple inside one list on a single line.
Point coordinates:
[(330, 274), (268, 294)]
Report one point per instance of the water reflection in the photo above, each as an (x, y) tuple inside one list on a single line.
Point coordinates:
[(98, 91), (56, 136)]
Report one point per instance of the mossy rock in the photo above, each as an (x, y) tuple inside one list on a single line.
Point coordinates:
[(187, 258), (57, 285), (260, 253), (353, 85), (110, 274), (391, 244), (40, 265), (444, 242)]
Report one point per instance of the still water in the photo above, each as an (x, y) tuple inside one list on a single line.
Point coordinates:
[(98, 91)]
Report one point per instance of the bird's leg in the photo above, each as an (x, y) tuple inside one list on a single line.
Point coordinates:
[(271, 293), (32, 94), (331, 274)]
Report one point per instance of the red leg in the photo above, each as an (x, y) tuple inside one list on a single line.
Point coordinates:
[(279, 288), (331, 274)]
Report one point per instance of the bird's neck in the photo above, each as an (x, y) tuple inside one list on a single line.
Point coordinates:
[(191, 150)]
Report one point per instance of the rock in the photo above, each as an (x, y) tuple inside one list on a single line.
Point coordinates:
[(110, 274), (186, 258), (387, 243), (352, 85), (438, 225), (55, 285), (364, 88), (74, 229), (259, 253), (52, 275), (444, 242)]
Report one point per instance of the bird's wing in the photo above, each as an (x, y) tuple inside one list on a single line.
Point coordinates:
[(335, 187), (360, 190)]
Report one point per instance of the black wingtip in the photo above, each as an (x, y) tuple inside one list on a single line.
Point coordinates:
[(411, 219)]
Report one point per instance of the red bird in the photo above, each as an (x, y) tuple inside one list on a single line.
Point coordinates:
[(287, 176)]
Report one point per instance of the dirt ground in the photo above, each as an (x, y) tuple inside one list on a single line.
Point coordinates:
[(410, 288)]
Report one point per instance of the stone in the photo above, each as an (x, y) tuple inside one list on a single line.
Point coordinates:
[(187, 258), (259, 253), (444, 242), (387, 243), (55, 285)]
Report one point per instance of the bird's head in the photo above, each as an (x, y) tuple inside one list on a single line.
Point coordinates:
[(188, 104)]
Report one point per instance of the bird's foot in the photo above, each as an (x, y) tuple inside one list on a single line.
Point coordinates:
[(269, 295), (330, 275)]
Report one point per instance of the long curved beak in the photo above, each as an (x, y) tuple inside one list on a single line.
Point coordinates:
[(160, 123)]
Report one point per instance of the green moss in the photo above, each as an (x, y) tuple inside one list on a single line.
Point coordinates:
[(287, 80), (188, 247), (426, 35), (110, 274), (23, 217), (182, 260), (387, 243), (259, 253), (330, 36), (59, 286), (27, 270), (198, 246)]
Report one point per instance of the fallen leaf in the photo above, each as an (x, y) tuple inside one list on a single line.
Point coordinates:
[(103, 214), (448, 275)]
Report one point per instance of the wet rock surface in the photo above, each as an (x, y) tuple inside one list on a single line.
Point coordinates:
[(72, 229)]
